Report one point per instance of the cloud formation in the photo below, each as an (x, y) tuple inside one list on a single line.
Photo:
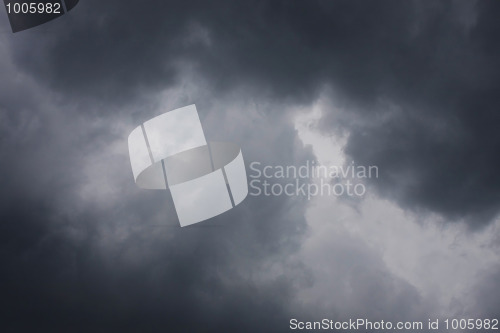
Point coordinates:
[(410, 86)]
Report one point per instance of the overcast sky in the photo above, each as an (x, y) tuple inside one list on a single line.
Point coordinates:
[(409, 86)]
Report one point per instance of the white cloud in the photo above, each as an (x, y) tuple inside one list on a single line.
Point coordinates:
[(442, 261)]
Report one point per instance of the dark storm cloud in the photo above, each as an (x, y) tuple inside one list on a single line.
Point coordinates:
[(436, 63), (84, 249), (432, 126), (174, 280), (102, 262)]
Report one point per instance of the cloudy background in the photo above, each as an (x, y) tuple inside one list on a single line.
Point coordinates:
[(409, 86)]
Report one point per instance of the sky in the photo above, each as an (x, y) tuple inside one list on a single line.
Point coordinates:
[(408, 86)]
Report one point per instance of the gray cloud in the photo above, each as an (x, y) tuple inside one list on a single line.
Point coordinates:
[(89, 250), (413, 84), (434, 63)]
